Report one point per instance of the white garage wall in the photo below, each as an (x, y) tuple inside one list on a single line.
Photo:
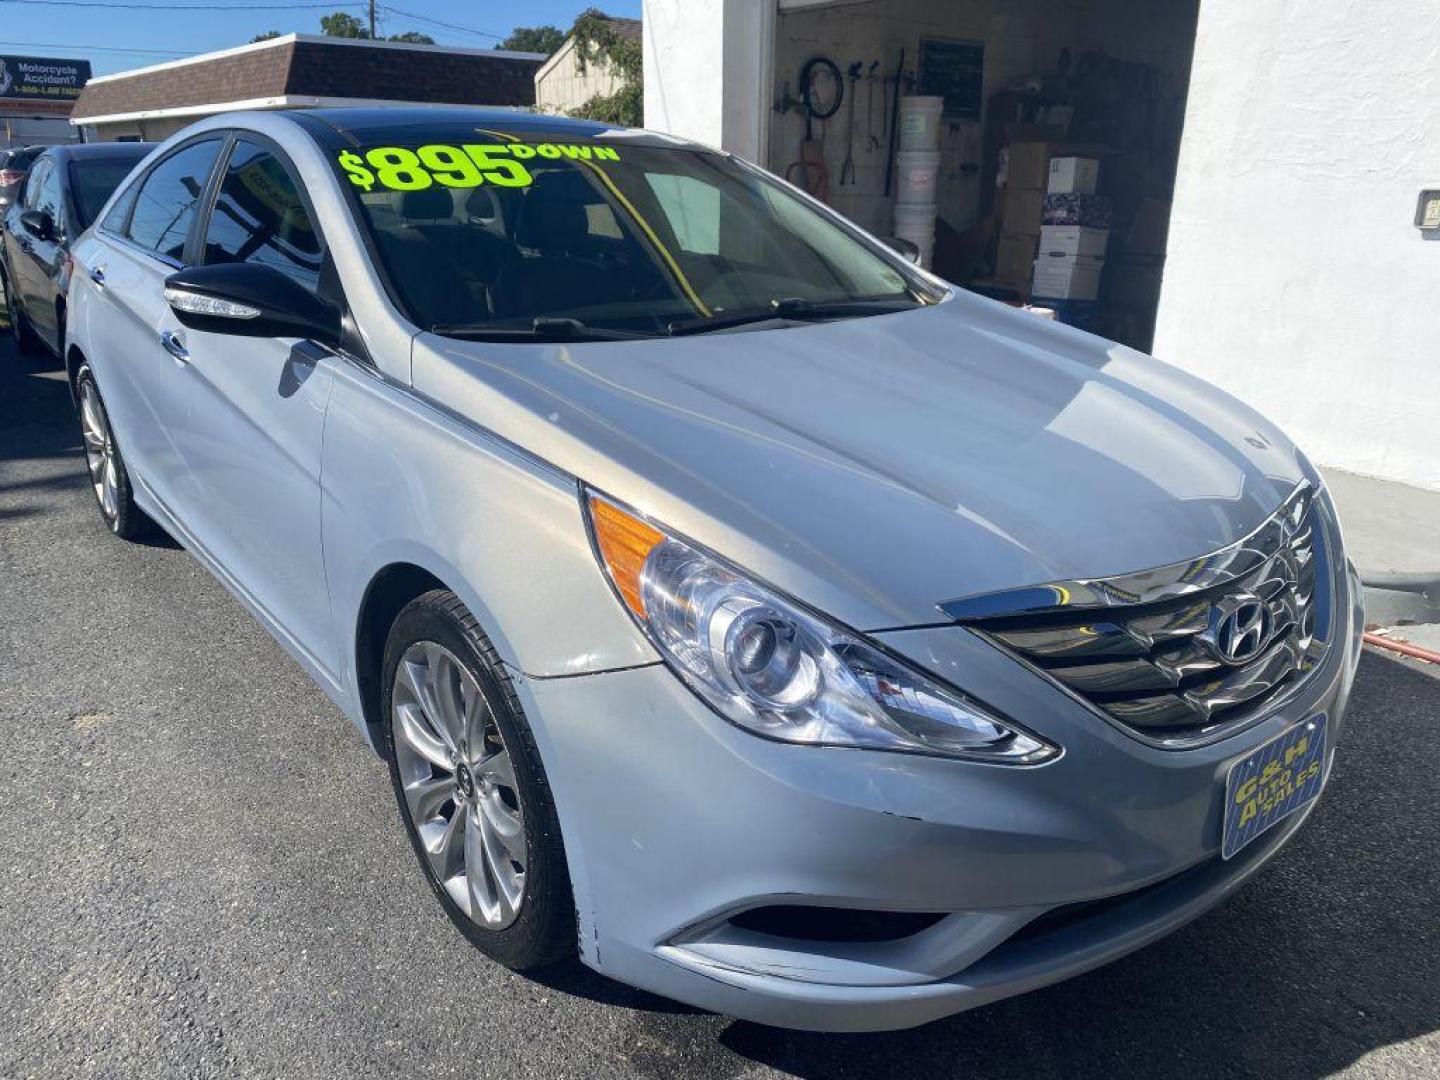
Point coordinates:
[(1295, 277), (707, 70)]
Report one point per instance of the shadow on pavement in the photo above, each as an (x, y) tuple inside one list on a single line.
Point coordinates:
[(1332, 952), (36, 400)]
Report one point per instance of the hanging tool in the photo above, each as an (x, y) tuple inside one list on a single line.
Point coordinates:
[(872, 143), (822, 89), (847, 170), (894, 117)]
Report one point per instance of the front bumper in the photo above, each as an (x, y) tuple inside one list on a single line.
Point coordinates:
[(675, 821)]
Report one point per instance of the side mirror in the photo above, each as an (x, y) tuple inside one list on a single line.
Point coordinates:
[(38, 224), (249, 300), (906, 249)]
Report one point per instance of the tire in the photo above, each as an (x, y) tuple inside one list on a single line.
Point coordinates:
[(27, 341), (109, 479), (476, 786)]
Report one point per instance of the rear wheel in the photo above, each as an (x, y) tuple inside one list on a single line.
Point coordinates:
[(26, 340), (471, 789), (108, 476)]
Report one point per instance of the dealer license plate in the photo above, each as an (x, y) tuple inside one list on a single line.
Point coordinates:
[(1272, 782)]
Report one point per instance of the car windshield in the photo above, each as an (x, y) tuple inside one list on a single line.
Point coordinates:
[(91, 183), (483, 234)]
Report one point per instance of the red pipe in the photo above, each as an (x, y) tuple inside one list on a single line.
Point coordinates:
[(1404, 648)]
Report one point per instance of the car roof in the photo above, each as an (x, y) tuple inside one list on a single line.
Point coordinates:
[(336, 128)]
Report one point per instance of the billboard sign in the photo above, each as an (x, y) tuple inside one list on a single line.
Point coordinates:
[(34, 78)]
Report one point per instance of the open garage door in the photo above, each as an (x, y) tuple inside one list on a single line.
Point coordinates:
[(1058, 136)]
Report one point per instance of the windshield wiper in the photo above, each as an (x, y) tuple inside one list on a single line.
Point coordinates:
[(541, 329), (791, 308)]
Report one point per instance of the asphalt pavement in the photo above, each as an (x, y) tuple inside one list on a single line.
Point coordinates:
[(202, 874)]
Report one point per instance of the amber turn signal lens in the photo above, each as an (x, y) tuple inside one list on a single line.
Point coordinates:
[(624, 542)]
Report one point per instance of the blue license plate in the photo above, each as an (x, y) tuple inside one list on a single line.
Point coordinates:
[(1272, 782)]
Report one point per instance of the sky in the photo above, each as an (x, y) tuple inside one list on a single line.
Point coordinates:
[(114, 37)]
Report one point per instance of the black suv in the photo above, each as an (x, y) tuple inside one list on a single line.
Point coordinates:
[(64, 190)]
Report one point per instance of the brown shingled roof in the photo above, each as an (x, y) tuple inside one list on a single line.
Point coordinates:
[(301, 65)]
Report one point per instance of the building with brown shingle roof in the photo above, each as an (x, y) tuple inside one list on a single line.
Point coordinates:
[(300, 71)]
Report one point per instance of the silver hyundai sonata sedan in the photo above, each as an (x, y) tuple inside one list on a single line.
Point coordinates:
[(734, 603)]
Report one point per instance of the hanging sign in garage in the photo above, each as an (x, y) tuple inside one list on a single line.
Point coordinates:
[(35, 78)]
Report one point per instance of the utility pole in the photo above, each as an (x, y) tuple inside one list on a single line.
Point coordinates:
[(372, 18)]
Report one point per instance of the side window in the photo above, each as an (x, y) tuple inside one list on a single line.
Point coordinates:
[(120, 212), (169, 198), (693, 209), (33, 182), (259, 217), (47, 198)]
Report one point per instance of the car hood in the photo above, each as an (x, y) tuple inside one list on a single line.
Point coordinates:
[(874, 467)]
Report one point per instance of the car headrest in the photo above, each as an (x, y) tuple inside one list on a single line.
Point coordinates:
[(427, 204), (553, 217)]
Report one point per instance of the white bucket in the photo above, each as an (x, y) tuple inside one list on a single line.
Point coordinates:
[(917, 175), (917, 224), (920, 122)]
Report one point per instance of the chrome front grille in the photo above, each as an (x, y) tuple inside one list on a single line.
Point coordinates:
[(1183, 653)]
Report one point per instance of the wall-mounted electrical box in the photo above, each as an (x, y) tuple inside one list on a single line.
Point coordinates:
[(1427, 212)]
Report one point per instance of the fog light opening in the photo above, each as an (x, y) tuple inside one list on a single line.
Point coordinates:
[(800, 922)]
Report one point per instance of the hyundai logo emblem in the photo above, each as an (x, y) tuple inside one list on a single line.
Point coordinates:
[(1240, 628)]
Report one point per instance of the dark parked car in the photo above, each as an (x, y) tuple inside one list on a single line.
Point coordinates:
[(13, 165), (63, 191)]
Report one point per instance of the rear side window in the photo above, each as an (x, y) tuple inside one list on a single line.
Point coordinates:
[(169, 199), (91, 183), (259, 217), (34, 180), (47, 195)]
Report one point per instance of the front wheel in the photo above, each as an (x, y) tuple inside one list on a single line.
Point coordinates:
[(472, 791)]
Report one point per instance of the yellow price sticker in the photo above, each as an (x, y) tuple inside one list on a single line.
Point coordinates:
[(400, 168)]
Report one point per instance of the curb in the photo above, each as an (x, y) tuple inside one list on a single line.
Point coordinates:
[(1396, 599)]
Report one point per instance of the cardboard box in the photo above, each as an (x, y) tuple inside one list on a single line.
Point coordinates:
[(1015, 257), (1051, 263), (1065, 279), (1092, 211), (1029, 165), (1073, 174), (1073, 240), (1020, 210)]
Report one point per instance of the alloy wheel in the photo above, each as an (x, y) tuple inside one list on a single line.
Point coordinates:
[(459, 784), (100, 451)]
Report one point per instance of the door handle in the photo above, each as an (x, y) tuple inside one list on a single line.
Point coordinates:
[(174, 346), (97, 275)]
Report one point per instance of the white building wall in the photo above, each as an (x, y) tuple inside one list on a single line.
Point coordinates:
[(1295, 277), (561, 86), (708, 66)]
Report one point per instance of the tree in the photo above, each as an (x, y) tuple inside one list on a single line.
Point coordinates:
[(414, 37), (268, 35), (536, 39), (596, 41), (343, 24)]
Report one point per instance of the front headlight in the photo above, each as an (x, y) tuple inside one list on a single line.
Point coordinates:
[(771, 667)]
